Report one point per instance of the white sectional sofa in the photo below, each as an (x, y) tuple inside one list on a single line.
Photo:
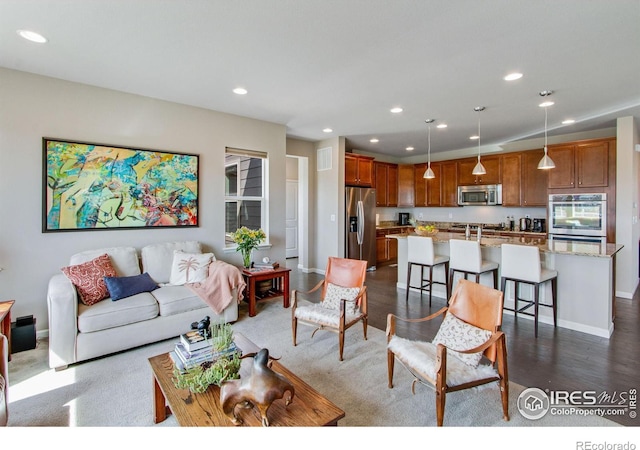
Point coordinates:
[(78, 332)]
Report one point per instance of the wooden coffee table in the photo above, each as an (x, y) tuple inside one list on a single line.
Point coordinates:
[(308, 408), (279, 286)]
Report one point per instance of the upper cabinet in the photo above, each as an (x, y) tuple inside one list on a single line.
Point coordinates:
[(428, 191), (490, 163), (511, 179), (580, 165), (534, 180), (406, 183), (358, 170), (386, 183)]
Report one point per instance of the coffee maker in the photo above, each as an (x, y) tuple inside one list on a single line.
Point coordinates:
[(539, 225), (403, 219)]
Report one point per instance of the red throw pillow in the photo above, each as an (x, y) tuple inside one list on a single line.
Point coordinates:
[(88, 278)]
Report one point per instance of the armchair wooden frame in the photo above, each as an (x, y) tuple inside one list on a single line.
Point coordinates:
[(495, 349), (356, 278)]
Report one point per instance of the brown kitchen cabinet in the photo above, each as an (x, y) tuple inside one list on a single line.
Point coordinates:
[(511, 179), (406, 183), (387, 248), (449, 183), (358, 170), (386, 183), (580, 165), (534, 180), (490, 163), (428, 191)]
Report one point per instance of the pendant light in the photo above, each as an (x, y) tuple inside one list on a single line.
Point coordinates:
[(546, 162), (429, 173), (479, 168)]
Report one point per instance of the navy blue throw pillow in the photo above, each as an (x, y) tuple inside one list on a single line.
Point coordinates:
[(121, 287)]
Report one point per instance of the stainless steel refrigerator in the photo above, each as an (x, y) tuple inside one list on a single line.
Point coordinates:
[(360, 241)]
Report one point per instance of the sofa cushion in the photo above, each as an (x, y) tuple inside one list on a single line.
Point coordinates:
[(157, 259), (189, 267), (124, 259), (88, 278), (177, 299), (104, 315), (123, 287)]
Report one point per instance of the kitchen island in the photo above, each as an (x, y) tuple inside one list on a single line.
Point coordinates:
[(586, 278)]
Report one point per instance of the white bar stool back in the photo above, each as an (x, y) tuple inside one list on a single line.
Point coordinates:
[(521, 264), (466, 257), (421, 253)]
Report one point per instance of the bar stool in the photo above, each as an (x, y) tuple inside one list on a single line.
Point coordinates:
[(421, 253), (466, 257), (521, 264)]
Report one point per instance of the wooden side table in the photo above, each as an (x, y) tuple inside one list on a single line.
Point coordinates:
[(279, 281), (5, 321)]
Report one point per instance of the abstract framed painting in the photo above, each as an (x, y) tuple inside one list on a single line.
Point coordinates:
[(104, 187)]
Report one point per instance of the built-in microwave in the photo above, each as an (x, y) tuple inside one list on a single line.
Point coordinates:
[(488, 194)]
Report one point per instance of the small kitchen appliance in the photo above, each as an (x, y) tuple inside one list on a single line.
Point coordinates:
[(403, 219), (539, 225), (525, 224)]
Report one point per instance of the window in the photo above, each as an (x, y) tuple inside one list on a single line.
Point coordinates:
[(245, 191)]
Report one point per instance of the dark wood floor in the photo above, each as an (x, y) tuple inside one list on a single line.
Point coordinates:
[(558, 359)]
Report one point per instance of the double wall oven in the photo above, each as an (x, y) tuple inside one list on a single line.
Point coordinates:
[(578, 217)]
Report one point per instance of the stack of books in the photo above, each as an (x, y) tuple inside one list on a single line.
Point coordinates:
[(193, 350), (266, 265)]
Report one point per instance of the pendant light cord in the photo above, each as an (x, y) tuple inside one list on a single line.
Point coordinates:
[(479, 134)]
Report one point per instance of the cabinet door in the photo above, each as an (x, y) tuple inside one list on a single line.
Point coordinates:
[(449, 184), (420, 185), (350, 170), (382, 254), (365, 172), (392, 185), (434, 186), (465, 167), (511, 175), (534, 180), (405, 185), (381, 182), (392, 249), (563, 175), (490, 163), (592, 161)]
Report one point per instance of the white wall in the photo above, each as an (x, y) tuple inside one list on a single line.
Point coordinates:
[(32, 107), (627, 196)]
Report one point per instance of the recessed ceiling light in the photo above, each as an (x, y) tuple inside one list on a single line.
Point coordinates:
[(513, 76), (409, 149), (327, 130), (374, 140), (396, 110), (240, 91), (568, 122), (545, 104), (32, 36), (442, 125), (474, 137)]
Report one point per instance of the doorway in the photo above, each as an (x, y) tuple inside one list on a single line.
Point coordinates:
[(297, 210)]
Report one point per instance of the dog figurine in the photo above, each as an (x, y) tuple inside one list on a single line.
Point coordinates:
[(202, 326), (259, 389)]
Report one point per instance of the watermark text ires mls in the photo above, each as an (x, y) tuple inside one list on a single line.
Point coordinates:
[(534, 403)]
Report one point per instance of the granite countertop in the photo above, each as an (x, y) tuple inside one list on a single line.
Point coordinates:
[(545, 245)]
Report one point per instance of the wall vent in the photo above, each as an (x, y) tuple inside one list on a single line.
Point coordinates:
[(324, 159)]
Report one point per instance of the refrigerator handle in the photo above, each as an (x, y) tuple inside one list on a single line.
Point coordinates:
[(360, 222)]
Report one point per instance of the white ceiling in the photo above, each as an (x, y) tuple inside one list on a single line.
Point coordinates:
[(344, 63)]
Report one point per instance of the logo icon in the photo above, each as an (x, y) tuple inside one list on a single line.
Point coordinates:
[(533, 403)]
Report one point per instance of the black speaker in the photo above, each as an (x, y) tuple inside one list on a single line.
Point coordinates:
[(23, 334)]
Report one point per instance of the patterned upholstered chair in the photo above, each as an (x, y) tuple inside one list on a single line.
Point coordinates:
[(343, 300), (4, 380), (451, 362)]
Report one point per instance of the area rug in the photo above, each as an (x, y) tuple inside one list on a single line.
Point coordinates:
[(116, 391)]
